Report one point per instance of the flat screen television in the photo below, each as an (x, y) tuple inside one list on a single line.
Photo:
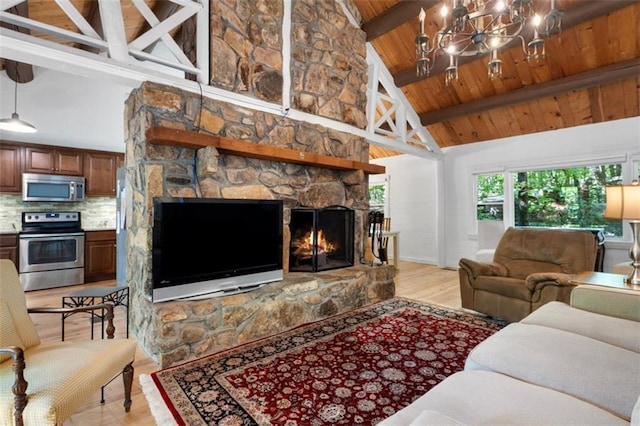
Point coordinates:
[(207, 247)]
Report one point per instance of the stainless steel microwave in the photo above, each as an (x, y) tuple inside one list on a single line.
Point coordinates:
[(40, 187)]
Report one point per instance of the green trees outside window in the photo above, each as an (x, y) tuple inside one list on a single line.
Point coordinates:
[(571, 197), (490, 197), (377, 197)]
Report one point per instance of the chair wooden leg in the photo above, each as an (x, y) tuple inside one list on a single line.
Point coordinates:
[(127, 379)]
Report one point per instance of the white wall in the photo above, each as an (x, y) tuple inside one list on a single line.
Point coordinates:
[(413, 183), (85, 113), (412, 209), (67, 110)]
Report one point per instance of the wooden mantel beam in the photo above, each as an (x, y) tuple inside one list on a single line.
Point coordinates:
[(193, 140), (585, 80)]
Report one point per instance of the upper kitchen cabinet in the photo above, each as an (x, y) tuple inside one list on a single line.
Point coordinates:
[(50, 160), (100, 172), (10, 168)]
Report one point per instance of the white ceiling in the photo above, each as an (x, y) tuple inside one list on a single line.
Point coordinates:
[(68, 110)]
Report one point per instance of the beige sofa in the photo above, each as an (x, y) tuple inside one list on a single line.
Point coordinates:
[(530, 268), (575, 364)]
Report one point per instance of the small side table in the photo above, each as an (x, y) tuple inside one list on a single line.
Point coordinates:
[(604, 279), (119, 296), (395, 236)]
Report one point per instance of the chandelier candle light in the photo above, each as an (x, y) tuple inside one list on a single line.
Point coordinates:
[(477, 27), (623, 202)]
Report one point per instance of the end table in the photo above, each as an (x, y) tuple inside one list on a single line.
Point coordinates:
[(118, 295)]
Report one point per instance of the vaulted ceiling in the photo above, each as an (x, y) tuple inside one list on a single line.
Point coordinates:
[(591, 72)]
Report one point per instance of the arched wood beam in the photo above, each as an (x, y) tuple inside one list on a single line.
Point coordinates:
[(584, 80), (583, 11), (18, 71)]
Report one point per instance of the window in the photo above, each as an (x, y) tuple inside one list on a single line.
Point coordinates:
[(379, 194), (572, 197), (490, 196)]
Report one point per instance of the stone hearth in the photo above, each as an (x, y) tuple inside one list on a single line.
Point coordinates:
[(191, 329)]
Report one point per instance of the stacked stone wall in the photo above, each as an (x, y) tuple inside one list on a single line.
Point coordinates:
[(329, 79)]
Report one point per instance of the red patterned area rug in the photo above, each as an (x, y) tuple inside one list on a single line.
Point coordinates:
[(355, 368)]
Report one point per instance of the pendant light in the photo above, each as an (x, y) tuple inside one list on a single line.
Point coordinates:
[(14, 124)]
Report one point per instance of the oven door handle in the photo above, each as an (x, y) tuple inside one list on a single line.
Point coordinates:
[(57, 236)]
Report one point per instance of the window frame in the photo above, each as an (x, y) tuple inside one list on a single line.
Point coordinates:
[(384, 180), (630, 165)]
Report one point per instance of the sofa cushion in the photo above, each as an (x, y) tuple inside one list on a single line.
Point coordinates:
[(635, 415), (524, 251), (509, 287), (618, 332), (602, 374), (487, 398), (522, 268), (430, 417), (616, 302), (57, 372)]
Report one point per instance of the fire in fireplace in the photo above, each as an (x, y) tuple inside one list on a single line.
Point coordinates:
[(321, 239)]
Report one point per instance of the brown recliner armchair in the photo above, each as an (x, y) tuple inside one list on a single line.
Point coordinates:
[(530, 268)]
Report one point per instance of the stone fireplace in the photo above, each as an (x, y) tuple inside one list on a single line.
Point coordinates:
[(329, 79), (321, 239)]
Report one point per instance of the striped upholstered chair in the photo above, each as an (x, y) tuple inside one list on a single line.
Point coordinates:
[(45, 383)]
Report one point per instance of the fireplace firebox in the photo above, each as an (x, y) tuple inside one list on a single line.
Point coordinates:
[(321, 239)]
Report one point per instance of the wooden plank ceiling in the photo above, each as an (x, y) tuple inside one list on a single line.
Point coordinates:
[(591, 72)]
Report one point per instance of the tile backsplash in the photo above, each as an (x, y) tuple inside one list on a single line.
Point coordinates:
[(95, 212)]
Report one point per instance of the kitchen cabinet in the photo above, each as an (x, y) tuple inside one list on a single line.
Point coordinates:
[(99, 256), (10, 168), (9, 247), (100, 172), (53, 160)]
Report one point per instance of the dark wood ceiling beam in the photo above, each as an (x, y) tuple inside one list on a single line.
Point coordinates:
[(18, 71), (585, 80), (395, 16), (583, 11)]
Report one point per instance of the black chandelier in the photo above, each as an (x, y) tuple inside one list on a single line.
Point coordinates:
[(477, 27)]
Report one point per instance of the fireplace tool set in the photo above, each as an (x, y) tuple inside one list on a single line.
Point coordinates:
[(376, 221)]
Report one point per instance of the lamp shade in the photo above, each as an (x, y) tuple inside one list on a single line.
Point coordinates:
[(14, 124), (623, 202)]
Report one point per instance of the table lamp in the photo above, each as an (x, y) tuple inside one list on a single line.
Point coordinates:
[(623, 202)]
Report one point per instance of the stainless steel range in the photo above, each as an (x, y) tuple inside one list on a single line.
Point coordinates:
[(51, 250)]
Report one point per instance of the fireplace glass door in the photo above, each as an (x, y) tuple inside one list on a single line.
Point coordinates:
[(321, 239)]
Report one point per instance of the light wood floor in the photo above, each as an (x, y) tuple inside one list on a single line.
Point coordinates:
[(414, 280)]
